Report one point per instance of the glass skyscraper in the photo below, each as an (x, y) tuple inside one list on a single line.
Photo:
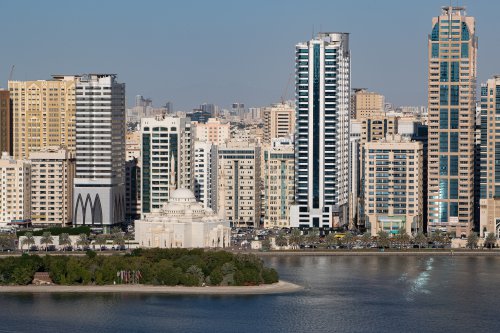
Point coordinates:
[(452, 48), (322, 89)]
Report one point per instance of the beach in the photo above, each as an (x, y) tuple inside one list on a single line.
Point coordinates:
[(275, 288)]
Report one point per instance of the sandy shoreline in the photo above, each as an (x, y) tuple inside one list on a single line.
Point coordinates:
[(275, 288)]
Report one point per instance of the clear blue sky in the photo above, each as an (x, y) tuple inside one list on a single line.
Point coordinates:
[(192, 52)]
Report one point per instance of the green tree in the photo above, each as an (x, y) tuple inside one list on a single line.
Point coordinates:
[(312, 236), (295, 238), (349, 240), (330, 240), (472, 240), (28, 240), (64, 240), (366, 239), (490, 240), (383, 239), (281, 240), (7, 242), (100, 240), (47, 239), (197, 272), (420, 240)]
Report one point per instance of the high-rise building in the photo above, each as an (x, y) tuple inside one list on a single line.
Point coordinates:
[(279, 121), (239, 183), (99, 194), (213, 131), (15, 191), (322, 131), (452, 49), (52, 174), (366, 104), (279, 186), (5, 122), (44, 114), (166, 159), (393, 185), (205, 174), (490, 158)]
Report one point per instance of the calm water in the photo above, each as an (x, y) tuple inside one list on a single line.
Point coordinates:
[(344, 294)]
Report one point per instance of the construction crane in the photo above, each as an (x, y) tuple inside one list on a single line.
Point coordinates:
[(286, 89), (11, 72)]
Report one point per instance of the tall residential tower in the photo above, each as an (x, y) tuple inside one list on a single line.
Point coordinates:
[(452, 86), (322, 90)]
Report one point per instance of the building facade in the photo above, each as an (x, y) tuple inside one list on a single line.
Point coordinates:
[(99, 193), (182, 223), (279, 185), (393, 185), (279, 121), (5, 122), (239, 183), (166, 159), (322, 131), (367, 104), (15, 191), (205, 174), (52, 174), (44, 114), (213, 131), (452, 49), (490, 158)]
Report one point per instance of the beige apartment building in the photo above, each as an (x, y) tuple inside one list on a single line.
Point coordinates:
[(279, 183), (5, 122), (213, 131), (365, 103), (15, 191), (52, 175), (43, 114), (452, 49), (393, 185), (239, 183), (279, 121)]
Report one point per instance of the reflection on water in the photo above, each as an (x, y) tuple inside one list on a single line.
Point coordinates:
[(343, 294)]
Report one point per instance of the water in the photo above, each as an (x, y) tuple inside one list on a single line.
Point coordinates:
[(343, 294)]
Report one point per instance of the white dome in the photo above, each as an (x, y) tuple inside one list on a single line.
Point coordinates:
[(182, 194)]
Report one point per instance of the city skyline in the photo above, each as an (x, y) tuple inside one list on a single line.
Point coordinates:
[(203, 46)]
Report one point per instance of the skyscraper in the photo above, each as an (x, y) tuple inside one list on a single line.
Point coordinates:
[(99, 195), (5, 122), (452, 48), (44, 114), (322, 91), (279, 121)]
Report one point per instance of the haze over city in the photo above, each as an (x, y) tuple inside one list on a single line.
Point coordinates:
[(191, 52)]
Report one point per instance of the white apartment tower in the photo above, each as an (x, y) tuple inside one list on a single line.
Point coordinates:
[(205, 173), (99, 194), (166, 157), (322, 90)]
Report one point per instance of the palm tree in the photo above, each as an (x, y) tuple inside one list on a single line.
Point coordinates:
[(349, 239), (100, 240), (47, 239), (366, 239), (29, 240), (64, 240), (7, 242), (490, 240), (82, 240), (437, 238), (295, 238), (118, 239), (330, 239), (383, 239), (420, 240), (472, 240), (312, 236), (281, 240)]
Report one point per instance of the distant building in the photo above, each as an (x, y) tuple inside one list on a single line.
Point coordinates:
[(213, 131), (279, 121), (15, 191), (166, 159), (182, 223), (52, 176), (6, 122), (99, 193), (43, 114), (239, 183), (393, 185), (279, 186), (366, 104)]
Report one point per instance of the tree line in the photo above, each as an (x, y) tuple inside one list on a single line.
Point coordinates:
[(169, 267)]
